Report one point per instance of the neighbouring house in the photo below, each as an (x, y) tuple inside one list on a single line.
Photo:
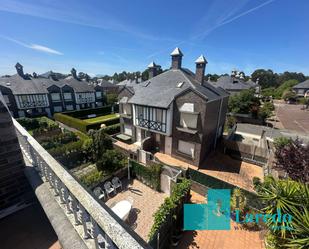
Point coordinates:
[(177, 112), (32, 95), (107, 86), (130, 82), (302, 89), (235, 83)]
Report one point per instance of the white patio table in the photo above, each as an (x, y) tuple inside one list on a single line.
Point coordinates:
[(122, 209)]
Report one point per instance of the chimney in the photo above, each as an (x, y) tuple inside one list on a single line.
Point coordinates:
[(73, 72), (19, 69), (152, 70), (176, 58), (200, 69), (34, 75)]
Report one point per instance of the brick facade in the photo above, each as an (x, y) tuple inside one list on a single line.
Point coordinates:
[(14, 187)]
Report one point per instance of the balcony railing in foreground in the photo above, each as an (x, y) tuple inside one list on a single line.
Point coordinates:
[(97, 226)]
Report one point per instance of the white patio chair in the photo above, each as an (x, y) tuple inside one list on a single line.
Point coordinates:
[(116, 183), (98, 192), (109, 188)]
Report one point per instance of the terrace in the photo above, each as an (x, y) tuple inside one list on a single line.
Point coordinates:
[(146, 202)]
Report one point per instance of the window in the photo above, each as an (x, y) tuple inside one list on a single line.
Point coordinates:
[(128, 130), (67, 96), (6, 99), (55, 97), (57, 108), (186, 148), (98, 94), (188, 120), (69, 107)]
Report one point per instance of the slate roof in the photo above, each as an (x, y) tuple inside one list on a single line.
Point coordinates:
[(39, 85), (105, 83), (129, 82), (302, 85), (161, 90), (227, 83)]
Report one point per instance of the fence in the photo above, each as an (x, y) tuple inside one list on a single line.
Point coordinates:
[(212, 182), (246, 152)]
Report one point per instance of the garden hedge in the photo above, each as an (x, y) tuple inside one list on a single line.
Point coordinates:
[(83, 125), (150, 175), (98, 111)]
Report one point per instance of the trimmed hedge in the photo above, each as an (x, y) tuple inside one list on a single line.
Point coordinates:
[(150, 175), (98, 111), (83, 125)]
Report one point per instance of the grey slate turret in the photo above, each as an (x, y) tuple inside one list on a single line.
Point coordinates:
[(176, 58), (19, 69), (200, 69), (152, 70)]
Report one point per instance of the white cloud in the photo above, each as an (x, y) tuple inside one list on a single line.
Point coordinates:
[(36, 47), (44, 49)]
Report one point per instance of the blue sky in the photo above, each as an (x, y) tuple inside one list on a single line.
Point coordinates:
[(101, 37)]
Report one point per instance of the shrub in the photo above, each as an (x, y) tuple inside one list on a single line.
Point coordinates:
[(266, 110), (66, 149), (112, 129), (111, 98), (170, 206), (150, 175), (93, 178), (110, 161), (101, 143), (230, 121), (238, 201), (280, 142)]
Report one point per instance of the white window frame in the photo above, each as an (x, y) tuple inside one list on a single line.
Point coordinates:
[(67, 96), (190, 151), (57, 99)]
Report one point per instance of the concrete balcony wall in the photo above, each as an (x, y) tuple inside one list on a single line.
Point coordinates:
[(15, 191), (77, 217)]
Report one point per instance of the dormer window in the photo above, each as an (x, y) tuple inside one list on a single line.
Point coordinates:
[(180, 84)]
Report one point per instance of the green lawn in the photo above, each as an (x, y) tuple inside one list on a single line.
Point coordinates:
[(101, 118)]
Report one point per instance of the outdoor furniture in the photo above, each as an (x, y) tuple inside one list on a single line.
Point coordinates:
[(122, 209), (116, 183), (98, 192), (108, 188)]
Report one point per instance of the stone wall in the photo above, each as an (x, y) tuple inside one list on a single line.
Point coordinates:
[(14, 187)]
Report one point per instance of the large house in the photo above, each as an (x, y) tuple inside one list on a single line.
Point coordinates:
[(235, 83), (177, 112), (31, 95), (302, 89)]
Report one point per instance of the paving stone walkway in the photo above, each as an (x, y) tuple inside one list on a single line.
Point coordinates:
[(236, 238)]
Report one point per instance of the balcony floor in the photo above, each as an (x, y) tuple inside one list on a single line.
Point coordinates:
[(28, 229)]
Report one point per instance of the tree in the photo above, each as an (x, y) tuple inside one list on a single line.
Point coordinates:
[(266, 78), (244, 102), (291, 198), (293, 158), (101, 143), (111, 160), (111, 98), (268, 92), (299, 77), (266, 110), (285, 87)]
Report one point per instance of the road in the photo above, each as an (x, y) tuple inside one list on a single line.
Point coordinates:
[(292, 117)]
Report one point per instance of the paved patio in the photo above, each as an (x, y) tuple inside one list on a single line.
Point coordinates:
[(125, 146), (146, 203), (234, 238), (223, 167)]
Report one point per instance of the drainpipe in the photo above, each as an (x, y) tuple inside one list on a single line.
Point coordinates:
[(215, 144)]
